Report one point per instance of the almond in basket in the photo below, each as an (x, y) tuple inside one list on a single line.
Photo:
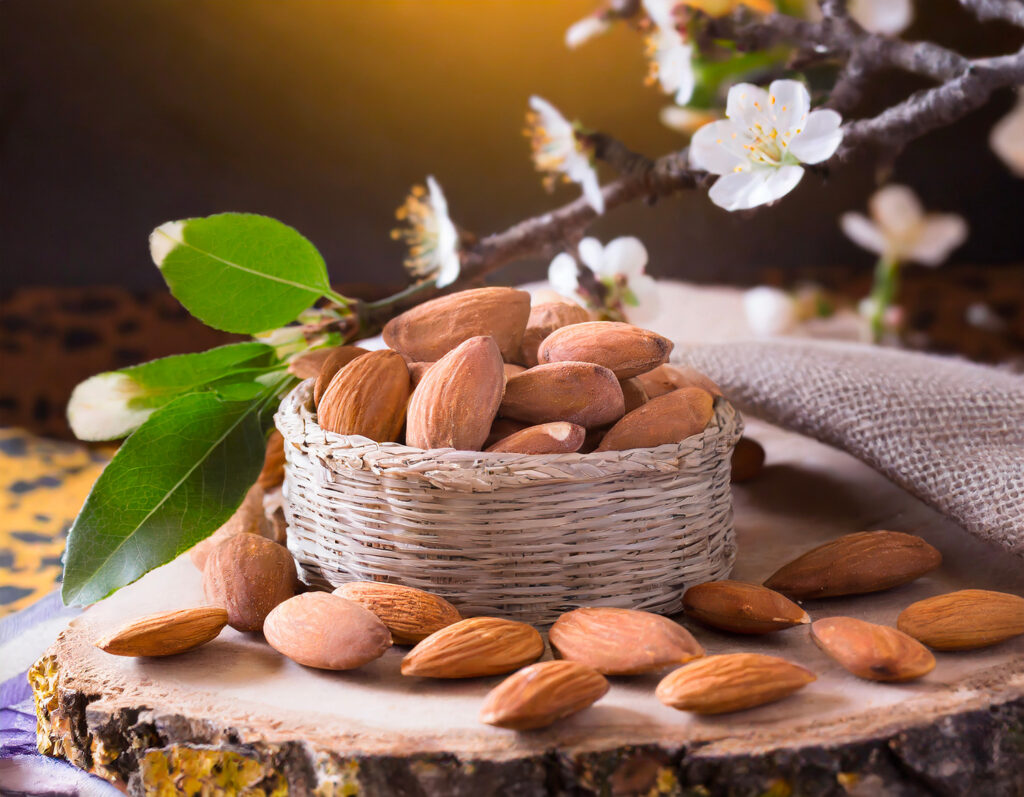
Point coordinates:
[(473, 648), (868, 561), (547, 438), (336, 359), (544, 319), (582, 393), (542, 693), (410, 614), (673, 376), (623, 349), (367, 397), (622, 641), (731, 682), (742, 608), (667, 419), (964, 620), (429, 331), (456, 401)]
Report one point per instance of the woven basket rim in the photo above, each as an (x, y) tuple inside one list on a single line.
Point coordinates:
[(298, 424)]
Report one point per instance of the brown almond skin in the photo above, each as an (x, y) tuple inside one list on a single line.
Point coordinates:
[(731, 682), (667, 419), (541, 694), (544, 319), (511, 369), (273, 462), (673, 376), (326, 631), (623, 349), (455, 403), (165, 633), (582, 393), (248, 576), (559, 437), (310, 364), (747, 460), (430, 330), (742, 608), (417, 371), (367, 397), (410, 614), (964, 620), (338, 357), (249, 518), (854, 564), (622, 641), (873, 652), (474, 648), (633, 392), (502, 428)]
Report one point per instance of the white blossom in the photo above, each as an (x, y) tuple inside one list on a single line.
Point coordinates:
[(430, 235), (586, 29), (100, 407), (671, 56), (1007, 137), (620, 266), (557, 152), (686, 120), (900, 230), (769, 311), (887, 17), (758, 149)]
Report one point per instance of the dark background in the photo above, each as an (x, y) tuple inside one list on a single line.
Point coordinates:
[(117, 115)]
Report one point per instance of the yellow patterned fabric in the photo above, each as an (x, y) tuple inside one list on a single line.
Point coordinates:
[(43, 483)]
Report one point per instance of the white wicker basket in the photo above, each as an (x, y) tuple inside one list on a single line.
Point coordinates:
[(513, 535)]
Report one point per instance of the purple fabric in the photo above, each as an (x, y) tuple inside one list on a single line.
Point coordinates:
[(22, 770)]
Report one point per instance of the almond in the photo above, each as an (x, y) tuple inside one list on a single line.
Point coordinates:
[(511, 369), (747, 459), (868, 561), (367, 397), (633, 392), (542, 693), (249, 518), (666, 378), (622, 641), (429, 331), (624, 349), (582, 393), (475, 647), (273, 462), (318, 629), (544, 319), (417, 371), (165, 633), (964, 620), (502, 428), (870, 651), (667, 419), (547, 438), (338, 357), (455, 403), (410, 614), (731, 682), (742, 608), (309, 364), (248, 576)]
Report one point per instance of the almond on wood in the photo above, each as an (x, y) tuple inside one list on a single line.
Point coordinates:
[(624, 349), (474, 648), (165, 633), (547, 438), (541, 694), (964, 620), (582, 393), (455, 403), (742, 608), (871, 651), (868, 561), (410, 614), (248, 576), (670, 418)]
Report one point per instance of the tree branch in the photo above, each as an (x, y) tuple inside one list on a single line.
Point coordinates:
[(1011, 11)]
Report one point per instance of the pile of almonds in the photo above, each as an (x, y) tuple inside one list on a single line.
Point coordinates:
[(482, 370), (250, 583)]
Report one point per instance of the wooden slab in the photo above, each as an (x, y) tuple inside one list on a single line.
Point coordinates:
[(237, 714)]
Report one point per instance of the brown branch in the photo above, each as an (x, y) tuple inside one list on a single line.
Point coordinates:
[(1011, 11)]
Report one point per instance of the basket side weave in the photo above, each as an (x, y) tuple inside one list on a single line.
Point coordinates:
[(520, 536)]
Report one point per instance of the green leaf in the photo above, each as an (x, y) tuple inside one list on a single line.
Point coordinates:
[(238, 271), (182, 373), (172, 483)]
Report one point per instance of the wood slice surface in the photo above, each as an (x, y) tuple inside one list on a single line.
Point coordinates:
[(236, 716)]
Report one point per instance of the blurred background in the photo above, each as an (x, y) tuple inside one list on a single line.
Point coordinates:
[(116, 116)]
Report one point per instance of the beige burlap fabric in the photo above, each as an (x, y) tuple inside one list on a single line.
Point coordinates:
[(950, 432)]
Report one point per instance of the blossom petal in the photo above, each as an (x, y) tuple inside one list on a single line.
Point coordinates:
[(744, 190), (1007, 138), (592, 254), (716, 148), (819, 138), (789, 103), (563, 274), (587, 178), (556, 125), (645, 290), (745, 103), (661, 12), (627, 256), (940, 235), (887, 17), (99, 408), (863, 232), (769, 311), (585, 30), (896, 209)]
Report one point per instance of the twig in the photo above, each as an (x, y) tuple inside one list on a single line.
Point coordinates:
[(1011, 11)]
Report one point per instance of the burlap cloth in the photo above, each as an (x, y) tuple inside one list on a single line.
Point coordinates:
[(948, 431)]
